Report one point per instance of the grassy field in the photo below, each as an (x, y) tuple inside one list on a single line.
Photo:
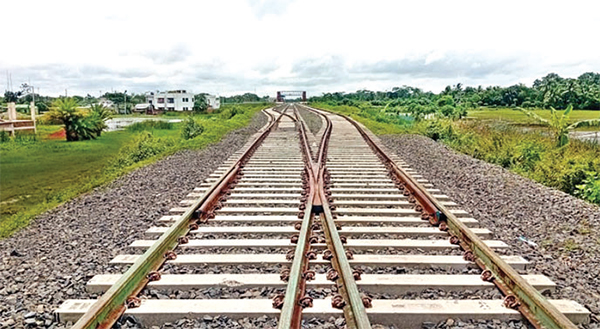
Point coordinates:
[(518, 117), (378, 123), (574, 168), (39, 174)]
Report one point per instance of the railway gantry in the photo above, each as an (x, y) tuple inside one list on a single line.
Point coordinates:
[(299, 225)]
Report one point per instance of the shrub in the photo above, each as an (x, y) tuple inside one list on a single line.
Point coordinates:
[(143, 147), (590, 189), (191, 129), (150, 125), (79, 125), (4, 136), (230, 112), (529, 153), (439, 129)]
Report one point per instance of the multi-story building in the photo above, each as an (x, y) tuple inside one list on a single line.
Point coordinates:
[(175, 100), (178, 100)]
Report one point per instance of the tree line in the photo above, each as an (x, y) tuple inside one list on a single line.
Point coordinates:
[(550, 91)]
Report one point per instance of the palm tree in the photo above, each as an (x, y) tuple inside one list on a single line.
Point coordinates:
[(99, 114), (65, 110), (559, 123)]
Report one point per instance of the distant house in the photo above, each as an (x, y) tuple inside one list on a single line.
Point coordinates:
[(106, 103), (213, 101), (175, 100), (178, 100)]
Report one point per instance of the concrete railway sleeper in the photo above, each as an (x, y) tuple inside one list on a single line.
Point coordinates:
[(300, 225)]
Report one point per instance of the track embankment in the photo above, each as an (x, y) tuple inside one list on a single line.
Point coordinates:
[(565, 229), (53, 258)]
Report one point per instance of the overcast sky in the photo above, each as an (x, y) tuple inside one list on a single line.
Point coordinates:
[(229, 47)]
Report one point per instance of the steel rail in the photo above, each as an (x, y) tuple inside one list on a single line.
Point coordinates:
[(111, 305), (354, 310), (291, 312), (530, 302), (287, 115)]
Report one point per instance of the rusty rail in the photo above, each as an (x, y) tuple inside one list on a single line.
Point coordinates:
[(351, 301), (295, 299), (519, 294), (111, 305)]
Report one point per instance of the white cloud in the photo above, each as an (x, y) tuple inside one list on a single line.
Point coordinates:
[(237, 46)]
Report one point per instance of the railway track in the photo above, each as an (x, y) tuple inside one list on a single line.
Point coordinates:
[(297, 226)]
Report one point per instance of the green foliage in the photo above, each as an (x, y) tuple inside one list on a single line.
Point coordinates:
[(439, 129), (549, 91), (4, 136), (191, 129), (230, 112), (528, 155), (590, 189), (78, 124), (150, 125), (143, 147), (98, 116), (11, 97), (245, 98), (79, 167), (533, 155), (65, 110), (200, 104), (559, 123), (377, 121), (446, 100)]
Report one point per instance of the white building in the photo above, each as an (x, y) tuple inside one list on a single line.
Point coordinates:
[(213, 101), (178, 100), (175, 100)]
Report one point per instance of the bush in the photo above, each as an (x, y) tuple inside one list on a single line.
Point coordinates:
[(529, 154), (143, 147), (439, 129), (191, 129), (79, 125), (171, 114), (348, 102), (4, 136), (150, 125), (590, 189), (230, 112)]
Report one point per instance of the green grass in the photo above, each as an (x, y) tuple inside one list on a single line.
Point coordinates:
[(518, 117), (378, 123), (531, 153), (37, 175)]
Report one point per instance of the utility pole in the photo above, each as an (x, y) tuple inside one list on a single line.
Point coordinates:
[(125, 96)]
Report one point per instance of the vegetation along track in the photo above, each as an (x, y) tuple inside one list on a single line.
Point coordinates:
[(300, 225)]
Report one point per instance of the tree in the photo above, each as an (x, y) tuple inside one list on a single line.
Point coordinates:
[(11, 96), (559, 123), (65, 110), (200, 103), (79, 125), (99, 114)]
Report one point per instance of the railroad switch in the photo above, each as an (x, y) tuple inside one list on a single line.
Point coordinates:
[(317, 209)]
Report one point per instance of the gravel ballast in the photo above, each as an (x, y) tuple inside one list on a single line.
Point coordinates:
[(52, 259), (313, 120), (564, 228)]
